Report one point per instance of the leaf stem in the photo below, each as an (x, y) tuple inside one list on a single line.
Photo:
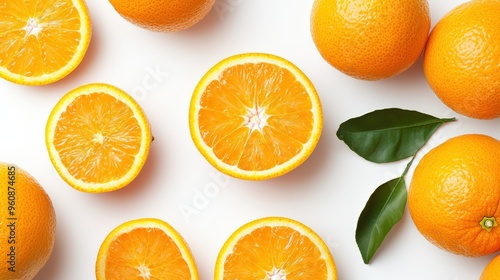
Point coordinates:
[(383, 136), (408, 165)]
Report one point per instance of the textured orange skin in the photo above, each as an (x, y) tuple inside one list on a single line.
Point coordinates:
[(492, 270), (462, 59), (161, 15), (370, 39), (455, 186), (35, 226)]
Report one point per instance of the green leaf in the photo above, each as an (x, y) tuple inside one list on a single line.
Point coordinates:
[(383, 210), (389, 135)]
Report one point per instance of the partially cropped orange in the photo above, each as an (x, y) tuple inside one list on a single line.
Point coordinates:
[(370, 39), (275, 248), (462, 59), (492, 270), (145, 248), (161, 15), (454, 196), (98, 138), (42, 42), (255, 116), (28, 224)]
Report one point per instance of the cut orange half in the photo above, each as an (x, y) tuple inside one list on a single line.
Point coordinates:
[(143, 249), (275, 248), (42, 41), (255, 116), (98, 138)]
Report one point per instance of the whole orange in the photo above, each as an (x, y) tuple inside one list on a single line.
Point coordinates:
[(370, 39), (161, 15), (454, 195), (492, 270), (462, 59), (28, 224)]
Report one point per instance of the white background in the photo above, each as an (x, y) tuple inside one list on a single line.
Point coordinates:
[(327, 192)]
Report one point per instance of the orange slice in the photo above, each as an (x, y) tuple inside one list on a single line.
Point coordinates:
[(42, 41), (98, 138), (274, 248), (145, 249), (255, 116)]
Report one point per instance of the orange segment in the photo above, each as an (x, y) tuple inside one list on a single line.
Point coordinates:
[(145, 249), (42, 41), (275, 248), (98, 138), (255, 116)]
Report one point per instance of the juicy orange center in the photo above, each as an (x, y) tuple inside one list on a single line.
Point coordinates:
[(38, 38), (33, 27), (255, 116), (276, 274), (97, 138), (143, 254), (275, 253)]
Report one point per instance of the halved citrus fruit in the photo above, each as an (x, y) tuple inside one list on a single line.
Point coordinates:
[(42, 41), (98, 138), (145, 248), (255, 116), (275, 248)]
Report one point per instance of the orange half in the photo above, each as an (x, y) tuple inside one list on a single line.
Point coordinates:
[(98, 138), (42, 41), (145, 249), (255, 116), (275, 248)]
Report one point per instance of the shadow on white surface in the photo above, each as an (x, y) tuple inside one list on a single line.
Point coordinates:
[(140, 186), (58, 258)]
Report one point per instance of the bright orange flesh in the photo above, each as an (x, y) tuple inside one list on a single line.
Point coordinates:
[(285, 102), (145, 249), (98, 138), (454, 195), (42, 41), (275, 248), (148, 248), (253, 114), (462, 59), (102, 147)]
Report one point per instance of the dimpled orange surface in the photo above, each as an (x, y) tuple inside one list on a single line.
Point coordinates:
[(462, 59), (28, 224), (454, 196), (163, 16), (370, 39)]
